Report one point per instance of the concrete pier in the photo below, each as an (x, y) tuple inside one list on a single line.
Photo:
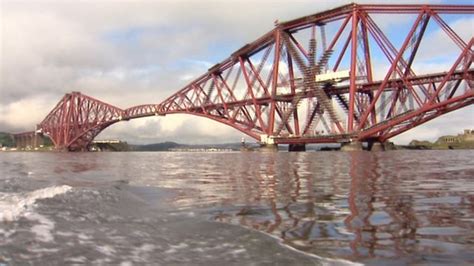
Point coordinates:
[(268, 147), (352, 146), (380, 146), (297, 147), (376, 146), (267, 143)]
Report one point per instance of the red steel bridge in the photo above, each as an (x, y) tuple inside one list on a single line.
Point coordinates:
[(356, 73)]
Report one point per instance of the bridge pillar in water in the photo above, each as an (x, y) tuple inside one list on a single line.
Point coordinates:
[(380, 146), (268, 147), (375, 146), (352, 146), (267, 143), (297, 147)]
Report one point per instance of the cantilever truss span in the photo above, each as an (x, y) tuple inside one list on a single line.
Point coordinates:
[(357, 72)]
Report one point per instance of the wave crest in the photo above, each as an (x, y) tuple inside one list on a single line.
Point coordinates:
[(12, 205)]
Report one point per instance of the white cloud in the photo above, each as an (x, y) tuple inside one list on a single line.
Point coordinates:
[(175, 127), (444, 44), (19, 115)]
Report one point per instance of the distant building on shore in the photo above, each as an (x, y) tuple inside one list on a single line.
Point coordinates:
[(467, 136), (463, 140)]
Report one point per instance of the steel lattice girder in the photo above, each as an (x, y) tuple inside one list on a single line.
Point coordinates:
[(77, 119), (264, 109), (329, 77)]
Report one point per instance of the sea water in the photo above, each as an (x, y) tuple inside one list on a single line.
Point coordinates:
[(237, 208)]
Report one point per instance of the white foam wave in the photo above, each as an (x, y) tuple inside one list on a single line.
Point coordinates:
[(13, 205), (43, 229)]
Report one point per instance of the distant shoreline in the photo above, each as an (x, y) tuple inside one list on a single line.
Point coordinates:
[(461, 141), (235, 147)]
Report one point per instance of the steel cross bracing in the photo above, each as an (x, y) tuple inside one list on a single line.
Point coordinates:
[(340, 75), (77, 119)]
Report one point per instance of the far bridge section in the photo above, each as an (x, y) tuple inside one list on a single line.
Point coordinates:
[(77, 119), (344, 75)]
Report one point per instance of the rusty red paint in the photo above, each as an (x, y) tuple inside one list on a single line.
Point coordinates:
[(260, 97)]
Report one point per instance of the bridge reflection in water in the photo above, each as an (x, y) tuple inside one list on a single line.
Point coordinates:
[(368, 206)]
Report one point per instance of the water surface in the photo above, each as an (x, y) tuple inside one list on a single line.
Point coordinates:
[(400, 207)]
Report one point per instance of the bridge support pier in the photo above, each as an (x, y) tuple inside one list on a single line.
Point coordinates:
[(352, 146), (297, 147), (268, 147), (380, 146), (375, 146), (267, 143)]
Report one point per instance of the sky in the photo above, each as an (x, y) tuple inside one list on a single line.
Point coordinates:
[(134, 52)]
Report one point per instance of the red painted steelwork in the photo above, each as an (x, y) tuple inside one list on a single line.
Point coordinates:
[(274, 91), (277, 86), (77, 119)]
